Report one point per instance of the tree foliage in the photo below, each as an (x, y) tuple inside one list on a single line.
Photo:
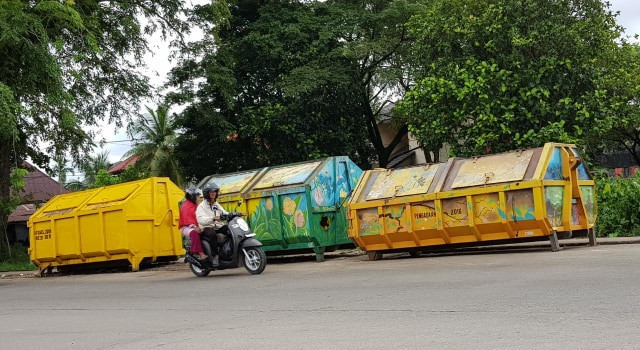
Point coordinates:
[(495, 75), (66, 65), (616, 124), (154, 138), (290, 81)]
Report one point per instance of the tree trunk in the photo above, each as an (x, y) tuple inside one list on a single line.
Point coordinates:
[(5, 179), (384, 153)]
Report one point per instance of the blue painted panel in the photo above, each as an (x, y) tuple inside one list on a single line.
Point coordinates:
[(554, 169)]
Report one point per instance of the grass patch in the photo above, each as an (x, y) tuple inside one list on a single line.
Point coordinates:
[(18, 260)]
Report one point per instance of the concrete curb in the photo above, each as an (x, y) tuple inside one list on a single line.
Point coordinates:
[(571, 242)]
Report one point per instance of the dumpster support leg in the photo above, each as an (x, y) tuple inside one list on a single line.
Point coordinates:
[(553, 239), (592, 236), (319, 253)]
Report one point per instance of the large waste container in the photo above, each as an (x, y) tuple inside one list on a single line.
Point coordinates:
[(296, 207), (130, 221), (510, 197)]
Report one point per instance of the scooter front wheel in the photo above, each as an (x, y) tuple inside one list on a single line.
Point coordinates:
[(255, 260)]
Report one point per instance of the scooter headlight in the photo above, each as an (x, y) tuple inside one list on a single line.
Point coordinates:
[(242, 224)]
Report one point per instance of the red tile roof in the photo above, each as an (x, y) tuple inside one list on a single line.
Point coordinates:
[(122, 166), (39, 188), (22, 213)]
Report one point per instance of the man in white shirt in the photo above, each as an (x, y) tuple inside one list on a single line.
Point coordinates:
[(209, 219)]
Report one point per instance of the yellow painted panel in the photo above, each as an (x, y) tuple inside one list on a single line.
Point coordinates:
[(486, 208), (92, 239), (115, 231), (454, 212), (403, 182), (424, 216), (42, 241), (395, 219), (493, 169), (288, 175), (233, 183), (67, 237)]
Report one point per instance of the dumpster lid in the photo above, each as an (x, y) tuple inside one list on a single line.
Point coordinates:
[(403, 182), (493, 169), (114, 193), (287, 175), (233, 183), (68, 201)]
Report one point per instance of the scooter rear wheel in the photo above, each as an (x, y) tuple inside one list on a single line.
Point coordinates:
[(198, 271), (256, 262)]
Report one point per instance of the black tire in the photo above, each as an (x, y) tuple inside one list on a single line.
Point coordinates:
[(374, 255), (257, 262), (415, 254), (195, 269), (198, 271)]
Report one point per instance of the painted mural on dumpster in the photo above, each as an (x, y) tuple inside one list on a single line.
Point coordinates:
[(233, 183), (267, 213), (323, 191)]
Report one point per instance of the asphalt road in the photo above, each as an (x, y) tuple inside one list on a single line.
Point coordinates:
[(578, 298)]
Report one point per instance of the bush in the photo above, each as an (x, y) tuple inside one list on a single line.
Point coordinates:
[(618, 206), (18, 260)]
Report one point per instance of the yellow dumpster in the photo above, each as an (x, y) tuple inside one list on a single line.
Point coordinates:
[(531, 194), (132, 222)]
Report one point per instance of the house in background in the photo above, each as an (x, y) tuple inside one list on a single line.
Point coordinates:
[(123, 165), (408, 151), (39, 188)]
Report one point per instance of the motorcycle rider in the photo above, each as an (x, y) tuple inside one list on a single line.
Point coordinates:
[(188, 223), (208, 216)]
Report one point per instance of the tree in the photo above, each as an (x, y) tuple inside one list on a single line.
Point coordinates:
[(60, 168), (67, 64), (494, 75), (154, 138), (290, 81), (373, 37), (93, 165), (616, 123)]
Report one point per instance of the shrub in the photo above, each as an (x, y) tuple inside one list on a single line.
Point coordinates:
[(618, 206), (17, 260)]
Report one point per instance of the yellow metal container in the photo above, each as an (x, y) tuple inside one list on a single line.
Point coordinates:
[(529, 194), (132, 221)]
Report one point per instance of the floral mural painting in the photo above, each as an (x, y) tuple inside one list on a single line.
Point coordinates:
[(369, 224), (264, 220), (554, 196), (294, 217), (323, 187)]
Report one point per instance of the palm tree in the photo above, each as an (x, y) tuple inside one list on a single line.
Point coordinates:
[(60, 168), (90, 168), (154, 138)]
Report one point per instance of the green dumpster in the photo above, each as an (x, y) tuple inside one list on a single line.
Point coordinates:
[(293, 208)]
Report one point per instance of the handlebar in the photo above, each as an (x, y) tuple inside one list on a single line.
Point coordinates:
[(231, 215)]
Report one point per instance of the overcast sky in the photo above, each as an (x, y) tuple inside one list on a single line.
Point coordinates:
[(159, 65)]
